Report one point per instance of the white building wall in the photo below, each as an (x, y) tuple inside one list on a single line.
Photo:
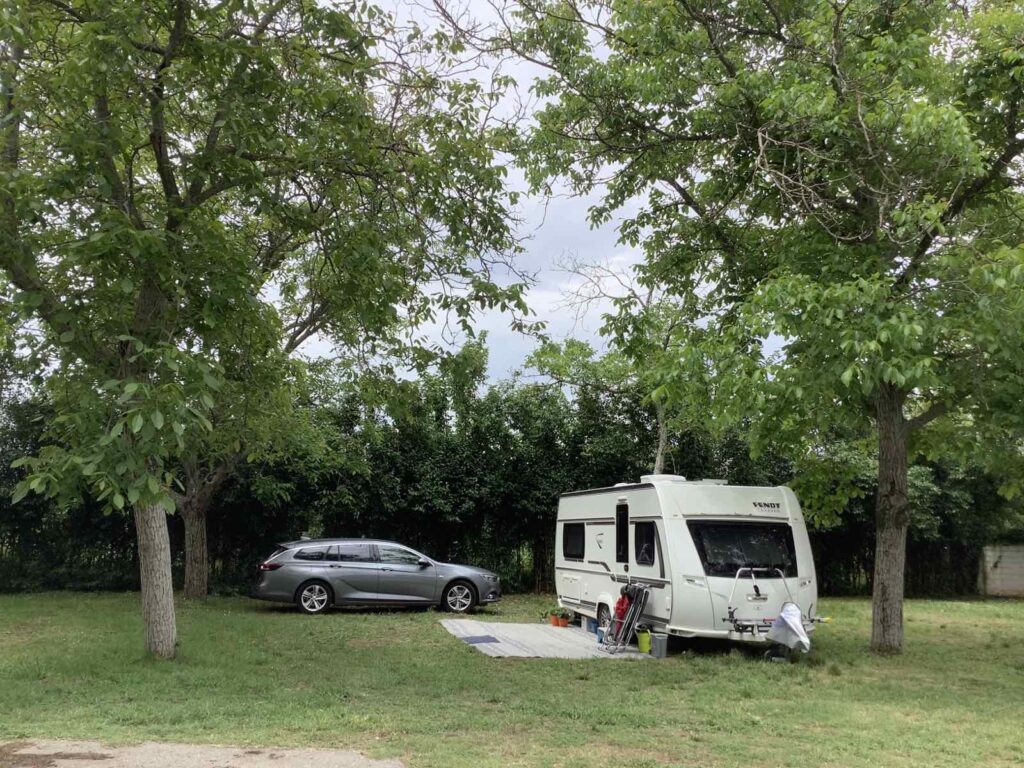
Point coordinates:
[(1002, 570)]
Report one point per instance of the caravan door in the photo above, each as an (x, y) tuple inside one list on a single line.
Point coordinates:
[(647, 565), (573, 542)]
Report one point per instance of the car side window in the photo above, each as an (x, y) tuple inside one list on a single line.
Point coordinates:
[(311, 553), (355, 552), (397, 555)]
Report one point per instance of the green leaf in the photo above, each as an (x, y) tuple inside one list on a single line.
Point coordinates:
[(158, 419), (118, 501), (137, 422), (20, 492)]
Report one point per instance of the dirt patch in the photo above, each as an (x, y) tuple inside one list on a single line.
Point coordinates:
[(85, 754), (13, 755)]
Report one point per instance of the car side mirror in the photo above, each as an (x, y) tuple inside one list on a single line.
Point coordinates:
[(423, 562)]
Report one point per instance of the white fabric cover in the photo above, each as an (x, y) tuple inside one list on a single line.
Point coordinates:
[(788, 628)]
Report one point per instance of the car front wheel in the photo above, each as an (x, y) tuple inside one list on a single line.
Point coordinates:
[(314, 597), (458, 597)]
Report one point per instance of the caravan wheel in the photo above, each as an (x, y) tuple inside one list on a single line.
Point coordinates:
[(604, 616)]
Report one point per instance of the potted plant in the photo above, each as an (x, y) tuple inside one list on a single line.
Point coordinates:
[(557, 617)]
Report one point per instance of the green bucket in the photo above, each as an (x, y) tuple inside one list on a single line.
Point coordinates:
[(643, 641)]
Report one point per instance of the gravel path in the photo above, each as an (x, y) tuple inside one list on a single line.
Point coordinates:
[(88, 754)]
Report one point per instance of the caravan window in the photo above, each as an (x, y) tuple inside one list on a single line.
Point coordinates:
[(643, 543), (574, 537), (621, 533), (724, 548)]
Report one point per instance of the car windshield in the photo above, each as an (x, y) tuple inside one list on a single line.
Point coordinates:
[(724, 548)]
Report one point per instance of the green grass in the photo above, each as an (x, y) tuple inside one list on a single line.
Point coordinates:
[(396, 684)]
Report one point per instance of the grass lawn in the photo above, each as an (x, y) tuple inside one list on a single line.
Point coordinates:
[(395, 684)]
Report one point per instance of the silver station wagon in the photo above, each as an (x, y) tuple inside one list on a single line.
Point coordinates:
[(318, 573)]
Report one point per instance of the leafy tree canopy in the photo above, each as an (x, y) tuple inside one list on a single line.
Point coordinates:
[(837, 187), (837, 180), (192, 188)]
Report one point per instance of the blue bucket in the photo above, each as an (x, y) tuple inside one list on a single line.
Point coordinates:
[(591, 625), (600, 635)]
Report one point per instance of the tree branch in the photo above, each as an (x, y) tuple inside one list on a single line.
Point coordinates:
[(158, 129), (83, 17), (108, 167), (10, 120), (16, 258), (1014, 146), (702, 213), (705, 22), (195, 192), (934, 411)]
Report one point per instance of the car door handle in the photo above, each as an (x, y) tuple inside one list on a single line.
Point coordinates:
[(335, 566)]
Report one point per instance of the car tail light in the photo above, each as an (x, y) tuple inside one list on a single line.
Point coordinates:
[(269, 566)]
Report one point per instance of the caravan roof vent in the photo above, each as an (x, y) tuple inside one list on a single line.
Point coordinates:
[(662, 479), (619, 485)]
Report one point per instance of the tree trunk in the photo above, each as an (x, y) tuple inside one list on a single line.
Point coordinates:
[(659, 456), (197, 560), (892, 518), (157, 587), (543, 558), (202, 485)]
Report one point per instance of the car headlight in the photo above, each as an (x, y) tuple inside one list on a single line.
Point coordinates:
[(491, 578)]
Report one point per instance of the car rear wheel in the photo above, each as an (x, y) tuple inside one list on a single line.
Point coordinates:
[(313, 597), (458, 597)]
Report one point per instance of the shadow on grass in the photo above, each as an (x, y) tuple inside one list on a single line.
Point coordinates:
[(700, 646), (258, 606)]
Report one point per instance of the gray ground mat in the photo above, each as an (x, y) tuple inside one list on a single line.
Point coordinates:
[(537, 641)]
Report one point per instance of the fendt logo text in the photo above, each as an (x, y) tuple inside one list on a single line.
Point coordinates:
[(767, 505)]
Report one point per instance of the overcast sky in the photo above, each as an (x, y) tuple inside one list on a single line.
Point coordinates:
[(554, 230)]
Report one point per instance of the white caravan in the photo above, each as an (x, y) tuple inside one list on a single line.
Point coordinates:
[(719, 560)]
